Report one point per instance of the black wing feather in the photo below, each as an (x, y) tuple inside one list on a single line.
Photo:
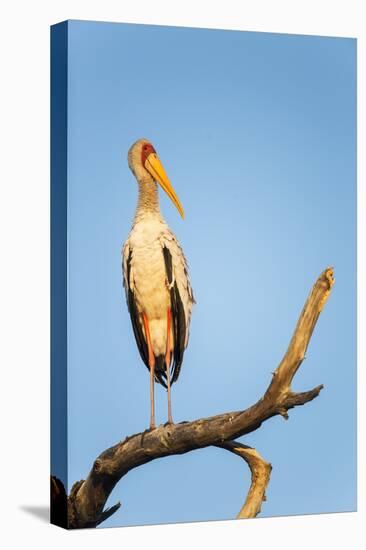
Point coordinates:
[(135, 317), (178, 318)]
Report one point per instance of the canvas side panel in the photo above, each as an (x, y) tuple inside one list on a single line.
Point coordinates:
[(59, 39)]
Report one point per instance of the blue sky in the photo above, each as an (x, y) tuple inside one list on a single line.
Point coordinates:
[(257, 133)]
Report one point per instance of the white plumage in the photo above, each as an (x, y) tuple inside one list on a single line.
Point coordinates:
[(148, 279)]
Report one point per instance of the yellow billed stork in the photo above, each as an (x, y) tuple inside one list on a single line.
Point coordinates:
[(155, 275)]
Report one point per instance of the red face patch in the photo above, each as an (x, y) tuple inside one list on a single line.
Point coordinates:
[(147, 149)]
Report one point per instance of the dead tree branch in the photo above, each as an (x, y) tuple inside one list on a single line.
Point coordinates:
[(87, 498), (261, 472)]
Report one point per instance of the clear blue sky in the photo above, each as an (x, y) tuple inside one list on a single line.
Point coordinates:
[(257, 133)]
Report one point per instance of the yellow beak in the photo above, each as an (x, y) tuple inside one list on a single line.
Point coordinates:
[(156, 169)]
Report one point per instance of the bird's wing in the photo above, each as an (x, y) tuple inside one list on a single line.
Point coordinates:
[(181, 296), (131, 303)]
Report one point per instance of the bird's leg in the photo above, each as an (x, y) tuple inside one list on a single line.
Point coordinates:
[(167, 363), (152, 369)]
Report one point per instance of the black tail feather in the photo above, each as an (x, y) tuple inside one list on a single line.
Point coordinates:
[(160, 370)]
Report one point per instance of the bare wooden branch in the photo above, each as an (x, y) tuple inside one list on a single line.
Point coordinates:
[(260, 471), (87, 501), (294, 356)]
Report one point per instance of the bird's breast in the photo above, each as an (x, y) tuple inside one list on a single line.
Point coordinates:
[(149, 275)]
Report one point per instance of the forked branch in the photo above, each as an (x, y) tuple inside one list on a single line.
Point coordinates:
[(87, 499)]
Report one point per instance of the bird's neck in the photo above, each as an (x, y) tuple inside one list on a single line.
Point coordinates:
[(148, 200)]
